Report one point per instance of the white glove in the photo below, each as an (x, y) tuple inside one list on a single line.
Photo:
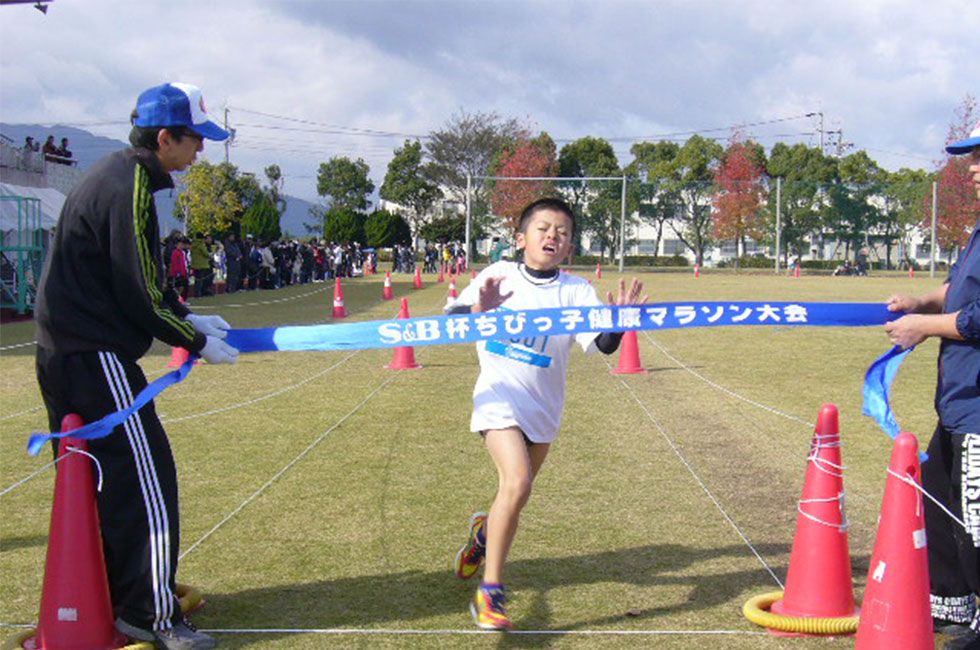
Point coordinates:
[(217, 351), (209, 325)]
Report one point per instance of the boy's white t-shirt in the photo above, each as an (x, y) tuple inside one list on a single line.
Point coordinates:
[(522, 381)]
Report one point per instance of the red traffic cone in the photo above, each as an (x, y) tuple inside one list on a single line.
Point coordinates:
[(339, 311), (76, 611), (452, 287), (442, 273), (911, 272), (367, 268), (697, 270), (405, 356), (473, 274), (598, 271), (418, 278), (386, 290), (896, 611), (818, 584), (629, 356), (456, 272), (177, 357), (796, 270)]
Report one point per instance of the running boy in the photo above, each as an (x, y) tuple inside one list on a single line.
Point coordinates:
[(518, 398)]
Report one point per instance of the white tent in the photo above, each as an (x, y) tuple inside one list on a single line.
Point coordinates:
[(51, 202)]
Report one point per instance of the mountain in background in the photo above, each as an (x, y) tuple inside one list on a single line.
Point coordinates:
[(88, 149)]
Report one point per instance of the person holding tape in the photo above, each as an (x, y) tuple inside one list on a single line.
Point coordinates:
[(952, 472), (520, 393), (101, 302)]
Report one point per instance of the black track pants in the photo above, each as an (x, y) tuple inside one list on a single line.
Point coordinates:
[(952, 475), (138, 504)]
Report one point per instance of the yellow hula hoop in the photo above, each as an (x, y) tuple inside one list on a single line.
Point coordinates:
[(189, 597), (757, 611)]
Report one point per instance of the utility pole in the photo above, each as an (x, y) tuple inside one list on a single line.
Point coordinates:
[(779, 216), (622, 227), (227, 140), (820, 128), (469, 215), (932, 246)]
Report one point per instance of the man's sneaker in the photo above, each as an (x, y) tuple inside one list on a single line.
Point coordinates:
[(182, 636), (470, 557), (489, 609)]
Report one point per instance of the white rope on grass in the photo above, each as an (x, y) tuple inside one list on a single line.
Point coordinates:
[(468, 632), (19, 413), (29, 477), (17, 345), (261, 398), (192, 416), (722, 388), (262, 302), (73, 450), (819, 463), (697, 478), (287, 466)]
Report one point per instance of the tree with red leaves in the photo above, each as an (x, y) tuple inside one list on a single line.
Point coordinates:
[(958, 205), (739, 197), (528, 158)]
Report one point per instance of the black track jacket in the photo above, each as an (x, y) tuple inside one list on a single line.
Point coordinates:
[(102, 286)]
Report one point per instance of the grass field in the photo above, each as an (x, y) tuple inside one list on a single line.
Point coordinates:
[(321, 491)]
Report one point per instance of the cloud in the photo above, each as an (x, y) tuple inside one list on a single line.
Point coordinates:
[(889, 74)]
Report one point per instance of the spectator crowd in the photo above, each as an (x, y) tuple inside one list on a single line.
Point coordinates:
[(52, 152), (197, 266)]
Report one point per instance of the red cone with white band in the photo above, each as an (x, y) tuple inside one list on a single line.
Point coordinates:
[(896, 611), (818, 584)]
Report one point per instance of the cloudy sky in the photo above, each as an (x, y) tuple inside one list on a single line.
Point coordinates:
[(307, 80)]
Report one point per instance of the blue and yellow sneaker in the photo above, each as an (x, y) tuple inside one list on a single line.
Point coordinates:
[(470, 557), (489, 608)]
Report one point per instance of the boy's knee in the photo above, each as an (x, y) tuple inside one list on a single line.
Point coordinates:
[(517, 489)]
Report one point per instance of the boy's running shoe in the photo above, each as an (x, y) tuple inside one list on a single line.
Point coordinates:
[(489, 609), (470, 557)]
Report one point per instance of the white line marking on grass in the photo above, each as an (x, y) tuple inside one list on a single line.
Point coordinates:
[(29, 477), (25, 412), (731, 393), (17, 345), (690, 469), (491, 632), (288, 466), (720, 387), (263, 397)]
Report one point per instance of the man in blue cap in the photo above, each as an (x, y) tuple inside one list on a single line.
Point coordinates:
[(952, 472), (101, 302)]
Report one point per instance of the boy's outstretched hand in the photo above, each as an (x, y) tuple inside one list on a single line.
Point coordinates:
[(631, 297), (490, 296)]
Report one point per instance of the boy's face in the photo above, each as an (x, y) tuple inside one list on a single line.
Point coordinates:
[(546, 240)]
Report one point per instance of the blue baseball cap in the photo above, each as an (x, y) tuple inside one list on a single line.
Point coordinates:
[(176, 104), (966, 146)]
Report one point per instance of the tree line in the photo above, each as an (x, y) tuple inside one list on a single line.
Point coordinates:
[(699, 191)]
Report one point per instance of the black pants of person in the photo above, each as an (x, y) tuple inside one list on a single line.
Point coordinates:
[(234, 279), (138, 507), (203, 280), (952, 475)]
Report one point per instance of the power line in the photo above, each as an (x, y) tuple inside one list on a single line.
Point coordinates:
[(347, 129)]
